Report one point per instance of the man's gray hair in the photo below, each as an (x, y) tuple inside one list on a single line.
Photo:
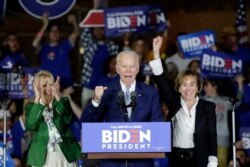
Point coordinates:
[(127, 52)]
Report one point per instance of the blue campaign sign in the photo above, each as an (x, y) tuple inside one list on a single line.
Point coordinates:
[(126, 137), (55, 8), (12, 84), (135, 19), (7, 63), (219, 65), (9, 161), (146, 69), (191, 45), (245, 138), (12, 80)]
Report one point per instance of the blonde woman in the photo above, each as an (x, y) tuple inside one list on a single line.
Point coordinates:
[(48, 117)]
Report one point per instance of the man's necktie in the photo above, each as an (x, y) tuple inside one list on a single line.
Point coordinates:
[(127, 102), (127, 96)]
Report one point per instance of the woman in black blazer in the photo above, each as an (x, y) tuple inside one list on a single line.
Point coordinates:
[(194, 137)]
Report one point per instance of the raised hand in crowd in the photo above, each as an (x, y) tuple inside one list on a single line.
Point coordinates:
[(239, 78), (157, 43), (75, 108), (40, 33), (72, 20)]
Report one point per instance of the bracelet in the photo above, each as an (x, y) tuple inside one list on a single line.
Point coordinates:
[(39, 34)]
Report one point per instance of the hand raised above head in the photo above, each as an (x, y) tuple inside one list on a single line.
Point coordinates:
[(71, 18), (99, 90), (157, 42), (45, 18), (239, 78)]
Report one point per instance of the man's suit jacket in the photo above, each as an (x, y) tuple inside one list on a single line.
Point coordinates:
[(148, 109), (35, 122), (205, 135)]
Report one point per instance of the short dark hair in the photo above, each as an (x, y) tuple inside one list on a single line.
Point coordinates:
[(188, 72), (52, 24), (9, 34)]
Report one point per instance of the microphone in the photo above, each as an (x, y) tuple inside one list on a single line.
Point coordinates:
[(133, 100), (120, 98), (121, 102), (233, 100)]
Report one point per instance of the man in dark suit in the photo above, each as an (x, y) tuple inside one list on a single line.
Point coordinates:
[(106, 105)]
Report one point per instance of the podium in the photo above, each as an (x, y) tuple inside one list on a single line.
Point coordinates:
[(125, 155), (126, 140)]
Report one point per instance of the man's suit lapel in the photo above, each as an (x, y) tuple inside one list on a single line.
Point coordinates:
[(115, 86), (139, 90), (139, 98)]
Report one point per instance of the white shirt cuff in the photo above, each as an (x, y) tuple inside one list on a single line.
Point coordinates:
[(156, 66), (212, 161), (95, 104)]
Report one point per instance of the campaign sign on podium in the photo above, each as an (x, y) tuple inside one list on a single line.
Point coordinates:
[(124, 137)]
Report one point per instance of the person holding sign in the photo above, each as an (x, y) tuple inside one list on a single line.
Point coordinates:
[(193, 119), (49, 117), (110, 103), (178, 59)]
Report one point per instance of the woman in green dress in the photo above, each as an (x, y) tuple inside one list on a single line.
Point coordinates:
[(49, 117)]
